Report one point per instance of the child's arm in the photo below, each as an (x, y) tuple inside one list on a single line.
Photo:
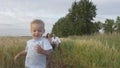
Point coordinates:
[(22, 53), (42, 51)]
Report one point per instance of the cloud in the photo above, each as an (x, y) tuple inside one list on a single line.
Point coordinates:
[(20, 21), (59, 7), (19, 13), (107, 7)]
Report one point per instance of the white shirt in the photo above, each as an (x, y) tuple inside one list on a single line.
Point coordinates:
[(56, 40), (34, 59)]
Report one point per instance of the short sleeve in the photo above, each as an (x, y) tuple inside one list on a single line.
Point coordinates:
[(58, 40), (47, 45)]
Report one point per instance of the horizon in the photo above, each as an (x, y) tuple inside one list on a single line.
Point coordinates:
[(15, 16)]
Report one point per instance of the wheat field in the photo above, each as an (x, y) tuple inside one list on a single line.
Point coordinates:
[(94, 51)]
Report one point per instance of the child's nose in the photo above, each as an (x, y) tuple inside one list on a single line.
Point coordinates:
[(36, 32)]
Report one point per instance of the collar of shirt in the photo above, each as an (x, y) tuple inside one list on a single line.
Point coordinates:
[(38, 39)]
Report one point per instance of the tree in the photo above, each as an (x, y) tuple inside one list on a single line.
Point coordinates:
[(109, 26), (81, 15), (117, 24), (97, 26), (62, 27), (78, 21), (57, 27)]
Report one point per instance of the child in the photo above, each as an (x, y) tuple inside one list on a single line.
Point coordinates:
[(37, 48)]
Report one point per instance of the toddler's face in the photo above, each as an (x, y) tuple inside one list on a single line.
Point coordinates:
[(36, 31)]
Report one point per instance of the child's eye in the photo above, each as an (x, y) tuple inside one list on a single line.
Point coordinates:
[(34, 30), (40, 30), (37, 30)]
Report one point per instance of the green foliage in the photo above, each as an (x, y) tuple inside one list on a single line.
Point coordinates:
[(97, 26), (108, 26), (78, 21), (117, 24), (62, 27)]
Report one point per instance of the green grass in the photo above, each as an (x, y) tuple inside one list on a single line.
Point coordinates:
[(95, 51)]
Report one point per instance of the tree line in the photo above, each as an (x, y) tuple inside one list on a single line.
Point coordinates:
[(80, 21)]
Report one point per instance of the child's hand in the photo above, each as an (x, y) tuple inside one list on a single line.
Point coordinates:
[(39, 49), (22, 53), (15, 59)]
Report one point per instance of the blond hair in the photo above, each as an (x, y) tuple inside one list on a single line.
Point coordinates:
[(39, 22)]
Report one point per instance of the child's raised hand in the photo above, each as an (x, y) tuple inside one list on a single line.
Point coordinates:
[(38, 49)]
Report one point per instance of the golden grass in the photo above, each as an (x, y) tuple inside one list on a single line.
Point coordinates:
[(99, 51)]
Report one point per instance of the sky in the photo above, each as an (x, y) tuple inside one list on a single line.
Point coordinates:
[(16, 15)]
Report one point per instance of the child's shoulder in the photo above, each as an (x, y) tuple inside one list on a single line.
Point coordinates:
[(30, 40), (43, 38)]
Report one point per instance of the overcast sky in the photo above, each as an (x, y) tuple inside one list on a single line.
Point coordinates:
[(16, 15)]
